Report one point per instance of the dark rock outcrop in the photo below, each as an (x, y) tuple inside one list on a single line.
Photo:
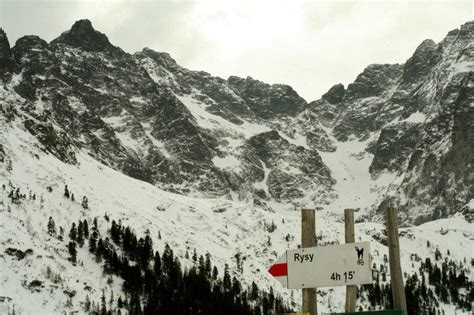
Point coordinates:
[(268, 101), (335, 94), (421, 63), (6, 60), (83, 35)]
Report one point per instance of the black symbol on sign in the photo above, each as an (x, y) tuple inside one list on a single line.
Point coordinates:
[(360, 255)]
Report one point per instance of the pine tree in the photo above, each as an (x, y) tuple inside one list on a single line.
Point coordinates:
[(66, 192), (254, 292), (167, 260), (215, 273), (103, 308), (51, 227), (201, 267), (157, 264), (86, 229), (444, 294), (207, 264), (135, 307), (73, 232), (236, 286), (93, 242), (265, 305), (226, 280), (85, 202), (72, 251), (100, 250), (80, 234), (271, 298), (115, 232)]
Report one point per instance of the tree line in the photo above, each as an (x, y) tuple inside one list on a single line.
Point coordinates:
[(442, 281), (157, 283)]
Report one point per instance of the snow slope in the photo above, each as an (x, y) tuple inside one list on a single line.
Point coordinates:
[(226, 227), (218, 226)]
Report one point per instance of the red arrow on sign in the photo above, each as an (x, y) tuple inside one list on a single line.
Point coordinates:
[(279, 270)]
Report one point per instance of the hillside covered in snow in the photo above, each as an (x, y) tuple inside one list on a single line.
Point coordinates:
[(222, 167)]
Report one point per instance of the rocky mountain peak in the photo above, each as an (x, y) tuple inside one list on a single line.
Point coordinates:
[(426, 45), (162, 58), (30, 41), (373, 81), (4, 45), (468, 27), (84, 26), (235, 80), (335, 94), (6, 62), (83, 35), (422, 61), (466, 31), (265, 100)]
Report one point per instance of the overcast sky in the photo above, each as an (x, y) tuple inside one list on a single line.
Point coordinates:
[(310, 45)]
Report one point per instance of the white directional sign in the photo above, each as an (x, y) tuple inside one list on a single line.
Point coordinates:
[(324, 266)]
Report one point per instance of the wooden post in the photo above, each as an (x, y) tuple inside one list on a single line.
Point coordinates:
[(308, 239), (396, 277), (351, 290)]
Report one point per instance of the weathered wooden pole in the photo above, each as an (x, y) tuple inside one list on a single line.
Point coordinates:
[(351, 290), (308, 239), (396, 277)]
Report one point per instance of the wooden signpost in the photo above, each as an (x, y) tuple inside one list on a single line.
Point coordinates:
[(347, 265), (351, 290), (308, 239), (396, 277)]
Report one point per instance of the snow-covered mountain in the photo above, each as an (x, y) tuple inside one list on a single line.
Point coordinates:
[(220, 166)]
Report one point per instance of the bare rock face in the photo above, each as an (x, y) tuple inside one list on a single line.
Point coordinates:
[(267, 101), (292, 170), (83, 35), (420, 116), (335, 94), (421, 63), (6, 61), (373, 81), (193, 133)]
